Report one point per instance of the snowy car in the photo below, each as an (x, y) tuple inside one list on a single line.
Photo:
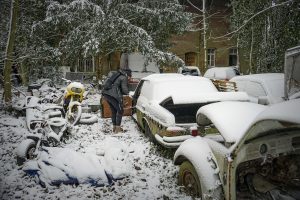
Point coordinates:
[(189, 70), (221, 73), (166, 105), (253, 154), (263, 89)]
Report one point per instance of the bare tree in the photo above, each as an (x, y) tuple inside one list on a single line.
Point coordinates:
[(9, 51)]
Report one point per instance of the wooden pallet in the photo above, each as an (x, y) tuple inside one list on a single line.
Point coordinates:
[(225, 86), (127, 106)]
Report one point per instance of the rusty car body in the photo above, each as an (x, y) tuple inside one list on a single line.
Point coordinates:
[(166, 105), (253, 154)]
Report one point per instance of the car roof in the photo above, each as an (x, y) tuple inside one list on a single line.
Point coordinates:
[(172, 77), (220, 72), (231, 118), (163, 77), (259, 77)]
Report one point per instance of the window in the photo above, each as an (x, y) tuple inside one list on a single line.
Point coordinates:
[(85, 65), (233, 57), (211, 57)]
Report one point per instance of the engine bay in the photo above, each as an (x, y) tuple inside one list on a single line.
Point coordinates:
[(269, 178)]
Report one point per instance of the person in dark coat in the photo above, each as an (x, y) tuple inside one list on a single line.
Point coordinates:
[(114, 97)]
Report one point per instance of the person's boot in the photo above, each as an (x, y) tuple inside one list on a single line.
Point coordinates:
[(114, 128), (118, 129)]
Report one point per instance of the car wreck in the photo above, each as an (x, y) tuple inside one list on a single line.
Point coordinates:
[(257, 158), (166, 105)]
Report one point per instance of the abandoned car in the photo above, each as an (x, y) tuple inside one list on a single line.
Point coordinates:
[(221, 73), (257, 157), (265, 89), (166, 105)]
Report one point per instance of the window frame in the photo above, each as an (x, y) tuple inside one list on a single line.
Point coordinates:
[(211, 57)]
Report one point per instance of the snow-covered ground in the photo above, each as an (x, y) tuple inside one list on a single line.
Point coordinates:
[(152, 174)]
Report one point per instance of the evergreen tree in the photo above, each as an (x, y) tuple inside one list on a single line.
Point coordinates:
[(98, 28)]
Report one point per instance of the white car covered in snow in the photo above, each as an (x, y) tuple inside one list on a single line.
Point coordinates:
[(264, 89), (252, 153), (166, 105), (189, 70), (221, 73)]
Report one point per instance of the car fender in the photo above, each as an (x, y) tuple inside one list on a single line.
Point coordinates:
[(198, 152)]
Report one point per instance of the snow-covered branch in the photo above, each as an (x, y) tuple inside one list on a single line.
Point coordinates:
[(253, 16)]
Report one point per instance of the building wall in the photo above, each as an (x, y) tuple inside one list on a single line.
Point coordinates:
[(218, 25)]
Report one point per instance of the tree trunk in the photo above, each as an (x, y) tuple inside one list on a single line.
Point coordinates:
[(204, 34), (9, 51), (251, 49), (99, 66), (23, 73)]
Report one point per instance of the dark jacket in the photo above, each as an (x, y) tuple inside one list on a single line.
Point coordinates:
[(119, 87)]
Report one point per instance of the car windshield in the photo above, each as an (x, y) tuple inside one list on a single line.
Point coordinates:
[(267, 127)]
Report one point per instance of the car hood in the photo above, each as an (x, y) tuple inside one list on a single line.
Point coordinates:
[(209, 97), (287, 111), (232, 119)]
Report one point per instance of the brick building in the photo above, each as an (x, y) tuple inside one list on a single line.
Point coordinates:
[(219, 51), (190, 46)]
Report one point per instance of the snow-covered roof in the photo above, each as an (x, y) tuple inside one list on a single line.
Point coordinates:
[(288, 111), (232, 119), (273, 84), (163, 77), (182, 89), (220, 73), (260, 77)]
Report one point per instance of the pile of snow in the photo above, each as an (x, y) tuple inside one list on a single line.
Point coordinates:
[(55, 166)]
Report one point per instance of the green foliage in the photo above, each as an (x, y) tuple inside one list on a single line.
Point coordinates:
[(274, 31)]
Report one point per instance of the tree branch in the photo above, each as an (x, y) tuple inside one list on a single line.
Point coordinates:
[(255, 15)]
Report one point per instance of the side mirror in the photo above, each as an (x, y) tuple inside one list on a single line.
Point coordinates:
[(263, 100)]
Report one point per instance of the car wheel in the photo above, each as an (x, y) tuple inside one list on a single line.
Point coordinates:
[(148, 132), (25, 151), (189, 179)]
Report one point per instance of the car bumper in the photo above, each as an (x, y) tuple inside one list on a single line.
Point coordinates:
[(171, 142)]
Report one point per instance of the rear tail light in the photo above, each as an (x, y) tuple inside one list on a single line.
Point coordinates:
[(194, 132)]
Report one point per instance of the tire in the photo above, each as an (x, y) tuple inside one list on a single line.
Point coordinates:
[(189, 179), (73, 114), (88, 118), (25, 151)]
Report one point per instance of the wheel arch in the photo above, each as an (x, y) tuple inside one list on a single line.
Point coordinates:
[(144, 121), (199, 154)]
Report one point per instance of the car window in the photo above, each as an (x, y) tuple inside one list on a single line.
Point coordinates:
[(255, 89), (146, 90), (138, 90), (268, 127)]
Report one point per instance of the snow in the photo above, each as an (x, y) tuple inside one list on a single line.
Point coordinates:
[(59, 165), (178, 87), (272, 83), (228, 120), (152, 174), (220, 73), (288, 111), (209, 97)]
